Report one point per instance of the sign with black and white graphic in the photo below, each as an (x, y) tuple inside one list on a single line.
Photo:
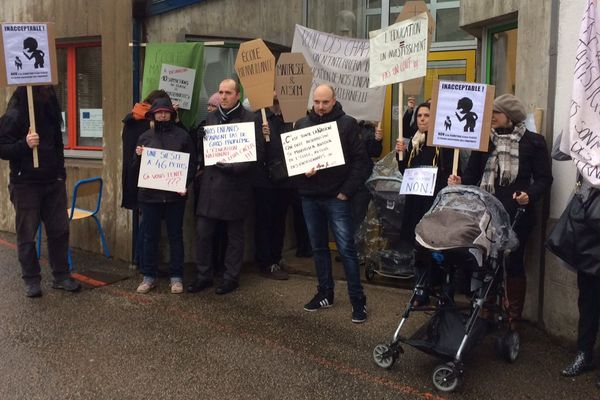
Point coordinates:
[(461, 115), (28, 54)]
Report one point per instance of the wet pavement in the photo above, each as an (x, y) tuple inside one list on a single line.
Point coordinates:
[(255, 343)]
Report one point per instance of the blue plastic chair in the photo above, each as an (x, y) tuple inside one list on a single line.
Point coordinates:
[(83, 188)]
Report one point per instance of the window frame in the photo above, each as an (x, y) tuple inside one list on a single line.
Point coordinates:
[(71, 106)]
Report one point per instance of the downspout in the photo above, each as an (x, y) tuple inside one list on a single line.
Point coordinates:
[(552, 79)]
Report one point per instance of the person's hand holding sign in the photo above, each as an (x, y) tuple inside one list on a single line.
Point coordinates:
[(378, 133), (33, 139), (454, 180), (139, 150), (311, 172), (400, 145), (521, 198), (265, 130)]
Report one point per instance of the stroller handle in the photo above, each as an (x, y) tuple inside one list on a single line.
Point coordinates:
[(518, 215)]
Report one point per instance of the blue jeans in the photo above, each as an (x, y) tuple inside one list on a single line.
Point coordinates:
[(152, 214), (319, 213)]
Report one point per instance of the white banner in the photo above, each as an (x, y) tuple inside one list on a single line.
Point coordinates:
[(399, 52), (163, 170), (582, 142), (229, 143), (27, 53), (317, 147), (419, 181), (459, 115), (343, 63), (178, 82)]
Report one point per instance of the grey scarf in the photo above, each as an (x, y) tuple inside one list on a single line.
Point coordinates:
[(504, 159)]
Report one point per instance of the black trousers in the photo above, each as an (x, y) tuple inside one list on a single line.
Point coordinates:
[(47, 203), (589, 311), (271, 205), (234, 253)]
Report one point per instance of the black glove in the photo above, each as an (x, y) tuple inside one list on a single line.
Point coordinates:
[(200, 132)]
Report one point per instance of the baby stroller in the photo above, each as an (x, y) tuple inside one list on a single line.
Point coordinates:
[(379, 236), (466, 229)]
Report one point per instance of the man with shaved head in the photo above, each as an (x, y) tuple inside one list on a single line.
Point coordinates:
[(325, 201)]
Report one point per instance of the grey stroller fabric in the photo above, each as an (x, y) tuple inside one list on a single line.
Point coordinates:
[(466, 217)]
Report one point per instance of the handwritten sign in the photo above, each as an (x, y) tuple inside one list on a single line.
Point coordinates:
[(343, 63), (582, 140), (316, 147), (28, 54), (178, 82), (255, 66), (461, 115), (293, 81), (229, 143), (419, 181), (163, 170), (399, 52)]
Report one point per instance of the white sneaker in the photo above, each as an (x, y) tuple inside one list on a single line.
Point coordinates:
[(145, 287), (177, 287)]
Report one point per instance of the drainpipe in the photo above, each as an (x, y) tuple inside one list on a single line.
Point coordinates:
[(552, 79)]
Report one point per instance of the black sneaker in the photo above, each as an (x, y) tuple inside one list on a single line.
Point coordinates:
[(33, 289), (359, 310), (321, 300), (67, 284)]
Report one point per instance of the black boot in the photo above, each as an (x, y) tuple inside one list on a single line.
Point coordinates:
[(581, 364)]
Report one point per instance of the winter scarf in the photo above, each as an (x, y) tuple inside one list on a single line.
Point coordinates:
[(226, 115), (504, 158)]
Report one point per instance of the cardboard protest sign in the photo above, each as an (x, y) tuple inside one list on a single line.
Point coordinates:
[(343, 63), (419, 181), (229, 143), (178, 82), (189, 55), (163, 170), (399, 52), (461, 115), (411, 9), (293, 82), (255, 66), (28, 54), (316, 147)]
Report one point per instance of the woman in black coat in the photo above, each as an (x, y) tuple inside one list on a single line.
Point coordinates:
[(517, 170)]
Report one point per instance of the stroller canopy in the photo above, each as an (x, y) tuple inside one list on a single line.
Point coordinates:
[(466, 217)]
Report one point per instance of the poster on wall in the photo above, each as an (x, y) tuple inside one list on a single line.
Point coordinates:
[(28, 54), (90, 122), (317, 147), (229, 143), (461, 115), (343, 63), (178, 82), (163, 170), (399, 52)]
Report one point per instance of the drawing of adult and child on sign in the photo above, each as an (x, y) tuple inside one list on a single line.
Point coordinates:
[(465, 105), (31, 45)]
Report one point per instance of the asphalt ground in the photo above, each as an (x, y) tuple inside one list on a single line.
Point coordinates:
[(108, 342)]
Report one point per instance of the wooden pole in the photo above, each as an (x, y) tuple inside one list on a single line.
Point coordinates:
[(400, 118), (455, 162), (264, 121), (36, 162)]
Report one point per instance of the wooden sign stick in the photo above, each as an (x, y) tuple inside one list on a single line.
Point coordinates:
[(455, 162), (36, 162), (264, 120), (400, 119)]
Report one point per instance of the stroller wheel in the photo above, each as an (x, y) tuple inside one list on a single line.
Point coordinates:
[(369, 272), (384, 357), (508, 346), (446, 377)]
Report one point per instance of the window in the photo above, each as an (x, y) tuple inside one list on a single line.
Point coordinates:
[(501, 65), (80, 94)]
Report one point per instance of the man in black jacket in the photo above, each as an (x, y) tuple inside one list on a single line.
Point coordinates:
[(37, 193), (225, 195), (325, 202)]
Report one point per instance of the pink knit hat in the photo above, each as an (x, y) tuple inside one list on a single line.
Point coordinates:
[(214, 100)]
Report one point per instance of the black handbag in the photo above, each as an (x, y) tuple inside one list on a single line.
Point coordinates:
[(575, 237), (277, 171)]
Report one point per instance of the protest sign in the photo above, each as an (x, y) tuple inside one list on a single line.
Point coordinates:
[(399, 52), (178, 82), (163, 170), (255, 66), (461, 115), (581, 139), (343, 63), (419, 181), (317, 147), (293, 81), (28, 54), (189, 55), (229, 143)]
